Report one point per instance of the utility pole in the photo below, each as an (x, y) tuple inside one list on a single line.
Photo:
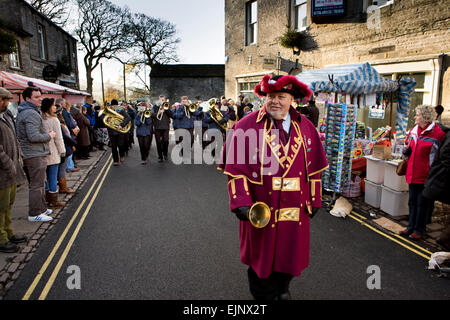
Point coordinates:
[(103, 87), (124, 84)]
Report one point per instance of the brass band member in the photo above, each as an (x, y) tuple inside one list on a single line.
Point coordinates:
[(144, 131), (161, 115), (118, 140)]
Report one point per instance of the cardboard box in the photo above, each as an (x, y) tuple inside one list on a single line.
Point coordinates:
[(382, 152)]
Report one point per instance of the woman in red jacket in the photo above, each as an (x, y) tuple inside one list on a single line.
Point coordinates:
[(423, 142)]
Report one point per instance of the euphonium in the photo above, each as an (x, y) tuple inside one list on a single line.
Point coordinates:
[(216, 115), (259, 215), (113, 119)]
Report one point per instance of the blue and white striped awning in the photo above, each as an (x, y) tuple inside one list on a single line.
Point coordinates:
[(362, 78), (353, 79)]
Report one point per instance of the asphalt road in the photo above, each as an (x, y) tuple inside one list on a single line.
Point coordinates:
[(163, 231)]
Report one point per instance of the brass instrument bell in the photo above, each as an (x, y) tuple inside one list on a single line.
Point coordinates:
[(259, 215)]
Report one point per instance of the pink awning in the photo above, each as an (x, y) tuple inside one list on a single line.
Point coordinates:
[(17, 82)]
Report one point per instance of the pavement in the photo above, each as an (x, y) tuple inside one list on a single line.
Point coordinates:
[(440, 218), (12, 263)]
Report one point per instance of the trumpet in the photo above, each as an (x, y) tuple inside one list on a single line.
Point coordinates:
[(145, 114), (190, 109), (165, 106)]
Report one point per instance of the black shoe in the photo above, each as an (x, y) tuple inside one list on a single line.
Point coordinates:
[(9, 247), (18, 239), (166, 158), (160, 160)]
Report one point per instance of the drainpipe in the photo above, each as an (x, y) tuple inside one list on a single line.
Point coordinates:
[(441, 79)]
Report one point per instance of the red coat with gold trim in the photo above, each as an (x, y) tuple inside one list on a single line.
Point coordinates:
[(286, 178)]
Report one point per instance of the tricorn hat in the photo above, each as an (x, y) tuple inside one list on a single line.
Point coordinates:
[(289, 84)]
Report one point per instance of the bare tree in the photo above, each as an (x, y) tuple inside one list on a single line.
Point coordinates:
[(55, 10), (152, 38), (100, 32)]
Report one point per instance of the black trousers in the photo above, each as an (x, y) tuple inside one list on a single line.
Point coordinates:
[(145, 144), (268, 289), (162, 142), (118, 145)]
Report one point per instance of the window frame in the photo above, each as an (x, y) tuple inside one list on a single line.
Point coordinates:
[(17, 58), (42, 42), (249, 25), (296, 12)]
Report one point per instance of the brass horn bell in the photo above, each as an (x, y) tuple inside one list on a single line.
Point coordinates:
[(259, 215)]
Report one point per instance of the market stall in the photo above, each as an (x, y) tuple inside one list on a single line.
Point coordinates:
[(346, 89), (16, 83)]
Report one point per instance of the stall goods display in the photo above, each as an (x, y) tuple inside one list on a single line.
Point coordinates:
[(339, 139)]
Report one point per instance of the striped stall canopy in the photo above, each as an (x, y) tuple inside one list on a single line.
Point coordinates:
[(362, 78), (17, 82)]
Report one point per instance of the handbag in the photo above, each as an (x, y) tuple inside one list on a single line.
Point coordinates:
[(401, 168)]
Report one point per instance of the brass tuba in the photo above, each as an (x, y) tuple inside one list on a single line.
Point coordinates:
[(215, 114), (112, 119), (259, 215)]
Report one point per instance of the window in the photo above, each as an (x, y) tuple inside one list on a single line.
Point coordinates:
[(67, 52), (41, 39), (14, 59), (251, 22), (300, 14), (378, 3)]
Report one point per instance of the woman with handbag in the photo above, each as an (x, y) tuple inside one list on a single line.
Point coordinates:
[(422, 144)]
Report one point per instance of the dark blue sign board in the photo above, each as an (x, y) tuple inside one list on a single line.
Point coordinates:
[(323, 8)]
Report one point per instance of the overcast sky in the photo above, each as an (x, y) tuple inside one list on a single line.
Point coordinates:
[(199, 24)]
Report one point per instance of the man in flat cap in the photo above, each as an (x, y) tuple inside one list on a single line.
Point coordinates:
[(11, 174), (282, 172)]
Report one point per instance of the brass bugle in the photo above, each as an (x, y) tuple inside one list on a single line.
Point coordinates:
[(259, 215)]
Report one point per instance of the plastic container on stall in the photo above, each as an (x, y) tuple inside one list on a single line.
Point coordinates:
[(392, 179), (375, 170), (394, 202), (372, 194)]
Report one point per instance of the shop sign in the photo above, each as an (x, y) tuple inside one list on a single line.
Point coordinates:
[(376, 112), (321, 8), (50, 73), (269, 63)]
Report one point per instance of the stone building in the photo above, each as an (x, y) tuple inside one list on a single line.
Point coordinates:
[(43, 51), (197, 81), (398, 38)]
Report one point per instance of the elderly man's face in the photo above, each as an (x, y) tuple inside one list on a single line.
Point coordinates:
[(4, 104), (278, 104)]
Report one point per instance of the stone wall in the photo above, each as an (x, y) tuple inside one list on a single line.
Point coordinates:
[(408, 29), (194, 88), (24, 20)]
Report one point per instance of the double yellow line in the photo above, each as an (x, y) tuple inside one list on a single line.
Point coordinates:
[(394, 237), (61, 260)]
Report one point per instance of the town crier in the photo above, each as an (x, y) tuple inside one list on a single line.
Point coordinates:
[(284, 159)]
